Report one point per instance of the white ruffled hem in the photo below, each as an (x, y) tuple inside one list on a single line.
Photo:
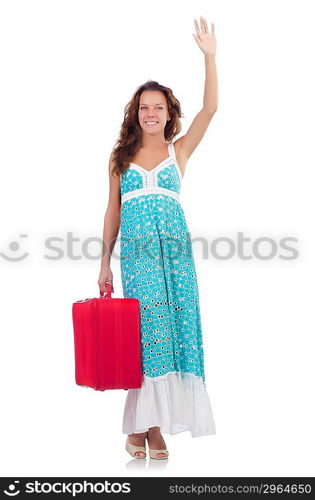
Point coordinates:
[(176, 402)]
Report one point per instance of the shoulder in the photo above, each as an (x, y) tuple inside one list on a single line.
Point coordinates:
[(111, 166), (111, 158)]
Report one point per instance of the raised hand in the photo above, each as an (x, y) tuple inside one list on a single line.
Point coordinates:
[(206, 41)]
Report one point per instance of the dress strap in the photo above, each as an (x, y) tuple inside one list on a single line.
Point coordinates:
[(171, 150)]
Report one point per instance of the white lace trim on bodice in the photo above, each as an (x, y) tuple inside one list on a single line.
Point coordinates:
[(149, 190), (150, 178)]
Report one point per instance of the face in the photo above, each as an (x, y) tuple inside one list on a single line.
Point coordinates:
[(153, 113)]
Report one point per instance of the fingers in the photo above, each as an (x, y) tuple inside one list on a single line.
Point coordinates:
[(202, 25), (110, 281), (102, 283), (197, 27), (205, 25)]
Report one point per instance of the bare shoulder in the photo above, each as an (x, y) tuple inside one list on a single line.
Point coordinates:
[(114, 180), (181, 157), (111, 164)]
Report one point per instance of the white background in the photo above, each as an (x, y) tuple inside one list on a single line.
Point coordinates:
[(68, 69)]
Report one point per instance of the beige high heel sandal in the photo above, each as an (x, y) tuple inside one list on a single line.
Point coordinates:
[(154, 453), (132, 449)]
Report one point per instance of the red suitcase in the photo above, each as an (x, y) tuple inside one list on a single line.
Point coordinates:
[(107, 342)]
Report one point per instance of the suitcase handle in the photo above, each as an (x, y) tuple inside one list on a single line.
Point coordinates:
[(109, 289)]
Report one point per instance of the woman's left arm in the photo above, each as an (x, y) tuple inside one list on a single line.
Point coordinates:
[(207, 43)]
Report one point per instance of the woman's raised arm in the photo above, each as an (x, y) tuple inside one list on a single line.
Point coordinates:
[(207, 44)]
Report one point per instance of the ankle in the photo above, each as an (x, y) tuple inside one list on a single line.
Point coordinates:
[(137, 439), (154, 431)]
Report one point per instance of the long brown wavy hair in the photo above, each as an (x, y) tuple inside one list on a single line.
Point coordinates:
[(130, 138)]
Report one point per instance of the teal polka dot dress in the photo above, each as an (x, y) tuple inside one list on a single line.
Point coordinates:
[(157, 267)]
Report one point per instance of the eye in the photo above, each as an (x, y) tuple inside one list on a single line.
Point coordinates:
[(142, 107)]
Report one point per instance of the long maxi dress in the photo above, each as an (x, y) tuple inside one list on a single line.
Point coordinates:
[(157, 267)]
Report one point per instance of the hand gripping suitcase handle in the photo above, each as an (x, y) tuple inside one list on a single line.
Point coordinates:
[(109, 290)]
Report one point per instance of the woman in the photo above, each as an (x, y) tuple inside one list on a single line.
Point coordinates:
[(157, 266)]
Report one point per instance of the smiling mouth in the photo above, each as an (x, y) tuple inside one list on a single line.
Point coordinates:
[(151, 123)]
